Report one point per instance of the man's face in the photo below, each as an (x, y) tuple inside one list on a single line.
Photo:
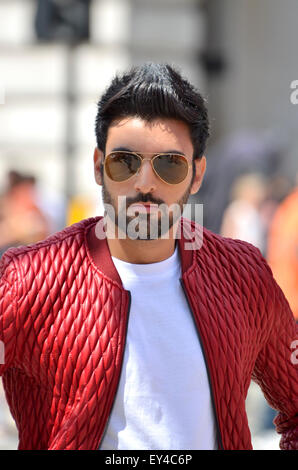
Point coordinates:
[(143, 194)]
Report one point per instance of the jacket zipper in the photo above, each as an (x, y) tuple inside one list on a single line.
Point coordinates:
[(219, 438), (207, 368), (115, 394)]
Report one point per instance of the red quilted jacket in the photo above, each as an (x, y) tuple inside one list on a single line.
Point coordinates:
[(63, 321)]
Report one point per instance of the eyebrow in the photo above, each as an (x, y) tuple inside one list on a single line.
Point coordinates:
[(125, 149)]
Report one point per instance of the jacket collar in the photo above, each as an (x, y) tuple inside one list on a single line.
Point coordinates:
[(99, 250)]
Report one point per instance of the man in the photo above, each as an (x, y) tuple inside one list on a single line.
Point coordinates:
[(119, 332)]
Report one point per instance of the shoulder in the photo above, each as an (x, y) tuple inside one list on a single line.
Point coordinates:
[(223, 255), (55, 247), (242, 255)]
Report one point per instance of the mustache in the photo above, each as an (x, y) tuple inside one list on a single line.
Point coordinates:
[(143, 198)]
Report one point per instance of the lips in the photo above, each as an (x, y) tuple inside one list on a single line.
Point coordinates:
[(143, 208)]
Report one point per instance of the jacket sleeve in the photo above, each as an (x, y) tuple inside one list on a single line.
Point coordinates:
[(8, 312), (276, 367)]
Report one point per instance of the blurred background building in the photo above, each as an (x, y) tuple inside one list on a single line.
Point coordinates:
[(56, 58)]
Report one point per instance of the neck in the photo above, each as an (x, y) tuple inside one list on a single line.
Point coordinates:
[(142, 251)]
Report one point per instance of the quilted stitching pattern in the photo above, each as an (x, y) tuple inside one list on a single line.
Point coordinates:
[(70, 340), (63, 322), (246, 326), (8, 307)]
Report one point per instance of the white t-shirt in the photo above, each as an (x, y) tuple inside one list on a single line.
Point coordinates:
[(163, 399)]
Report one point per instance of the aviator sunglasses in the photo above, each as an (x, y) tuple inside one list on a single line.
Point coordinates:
[(171, 168)]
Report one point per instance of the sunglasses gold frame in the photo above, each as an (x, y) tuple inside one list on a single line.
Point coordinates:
[(148, 159)]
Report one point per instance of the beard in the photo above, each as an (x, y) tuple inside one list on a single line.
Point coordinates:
[(142, 226)]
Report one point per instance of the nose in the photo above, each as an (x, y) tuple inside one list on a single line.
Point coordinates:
[(145, 181)]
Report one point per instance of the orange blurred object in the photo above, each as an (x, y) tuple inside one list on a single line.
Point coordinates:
[(282, 252), (21, 220)]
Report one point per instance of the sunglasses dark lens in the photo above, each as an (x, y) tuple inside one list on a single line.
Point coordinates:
[(122, 165), (171, 168)]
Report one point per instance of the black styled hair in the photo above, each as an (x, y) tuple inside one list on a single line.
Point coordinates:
[(152, 91)]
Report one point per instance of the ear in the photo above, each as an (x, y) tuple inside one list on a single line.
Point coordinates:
[(200, 165), (98, 160)]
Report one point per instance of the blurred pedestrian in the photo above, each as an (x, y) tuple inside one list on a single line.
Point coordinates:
[(21, 220), (283, 248), (240, 153), (242, 218)]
